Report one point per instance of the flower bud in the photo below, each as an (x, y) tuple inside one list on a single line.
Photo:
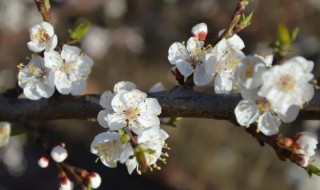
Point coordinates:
[(200, 30), (59, 153), (43, 162), (94, 179)]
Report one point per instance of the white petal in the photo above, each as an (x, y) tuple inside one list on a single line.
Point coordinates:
[(127, 151), (158, 87), (52, 59), (36, 46), (133, 98), (84, 64), (52, 43), (246, 112), (124, 85), (45, 89), (269, 124), (177, 51), (70, 53), (150, 106), (48, 28), (116, 121), (78, 87), (103, 119), (201, 77), (194, 45), (31, 93), (105, 100), (131, 165), (148, 120), (236, 42), (222, 84), (290, 115), (63, 84), (184, 67)]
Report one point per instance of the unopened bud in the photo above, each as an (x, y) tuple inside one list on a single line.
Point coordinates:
[(200, 30), (43, 162), (59, 153), (94, 179)]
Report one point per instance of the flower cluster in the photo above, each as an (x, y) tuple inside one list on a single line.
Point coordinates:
[(66, 71), (133, 135), (206, 63), (272, 94)]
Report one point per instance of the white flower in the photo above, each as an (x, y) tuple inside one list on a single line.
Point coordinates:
[(42, 37), (200, 31), (5, 131), (225, 60), (106, 98), (305, 143), (248, 72), (95, 180), (260, 110), (288, 84), (135, 110), (108, 147), (150, 145), (59, 153), (71, 69), (36, 80), (192, 59)]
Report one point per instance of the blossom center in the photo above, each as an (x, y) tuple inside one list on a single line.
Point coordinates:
[(249, 70), (132, 113), (110, 150), (264, 106), (67, 68), (42, 35), (286, 83)]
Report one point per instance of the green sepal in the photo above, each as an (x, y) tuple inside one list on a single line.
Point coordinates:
[(79, 31)]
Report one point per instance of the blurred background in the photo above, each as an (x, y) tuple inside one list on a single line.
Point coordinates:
[(129, 40)]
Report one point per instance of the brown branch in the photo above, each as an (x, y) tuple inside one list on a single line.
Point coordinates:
[(179, 102), (44, 9)]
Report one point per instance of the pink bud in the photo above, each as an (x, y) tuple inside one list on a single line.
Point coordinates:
[(43, 162), (95, 180), (59, 153), (200, 30)]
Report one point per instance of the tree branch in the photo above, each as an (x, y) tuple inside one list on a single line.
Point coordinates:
[(176, 103)]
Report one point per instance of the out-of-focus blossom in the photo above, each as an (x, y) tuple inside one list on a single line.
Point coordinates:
[(43, 162), (115, 8), (5, 131), (97, 41), (58, 153)]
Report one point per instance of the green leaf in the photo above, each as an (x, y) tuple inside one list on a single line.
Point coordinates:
[(80, 30), (312, 169), (284, 36), (246, 20), (294, 34)]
